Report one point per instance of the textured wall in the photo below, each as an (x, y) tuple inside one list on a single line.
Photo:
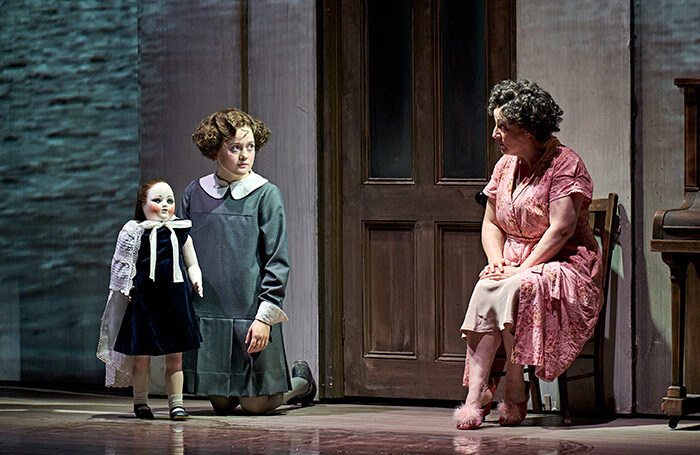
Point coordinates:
[(68, 175), (191, 66), (667, 47), (282, 92), (578, 51)]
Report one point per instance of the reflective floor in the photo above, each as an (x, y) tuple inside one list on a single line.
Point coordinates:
[(35, 421)]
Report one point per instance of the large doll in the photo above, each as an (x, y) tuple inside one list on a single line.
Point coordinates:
[(240, 231), (149, 311)]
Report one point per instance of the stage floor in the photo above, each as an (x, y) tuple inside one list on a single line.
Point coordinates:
[(39, 421)]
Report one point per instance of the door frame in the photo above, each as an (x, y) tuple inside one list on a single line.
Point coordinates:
[(500, 64)]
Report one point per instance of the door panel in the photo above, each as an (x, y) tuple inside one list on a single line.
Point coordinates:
[(458, 264), (411, 250), (390, 303)]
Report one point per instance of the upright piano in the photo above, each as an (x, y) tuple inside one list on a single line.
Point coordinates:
[(676, 235)]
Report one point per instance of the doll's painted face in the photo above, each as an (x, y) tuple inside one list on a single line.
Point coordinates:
[(236, 156), (160, 203)]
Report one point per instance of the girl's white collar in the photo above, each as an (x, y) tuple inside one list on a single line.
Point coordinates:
[(216, 187)]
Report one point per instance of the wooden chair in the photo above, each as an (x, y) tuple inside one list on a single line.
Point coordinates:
[(604, 220)]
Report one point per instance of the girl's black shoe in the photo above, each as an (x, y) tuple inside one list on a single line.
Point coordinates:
[(301, 369)]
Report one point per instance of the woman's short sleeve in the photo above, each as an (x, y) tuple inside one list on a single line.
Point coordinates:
[(570, 176), (492, 187)]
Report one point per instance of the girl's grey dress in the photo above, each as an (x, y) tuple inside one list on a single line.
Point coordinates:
[(241, 240)]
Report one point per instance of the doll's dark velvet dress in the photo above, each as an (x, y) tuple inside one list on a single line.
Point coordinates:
[(160, 318)]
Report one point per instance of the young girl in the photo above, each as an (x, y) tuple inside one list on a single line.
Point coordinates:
[(240, 229), (149, 311)]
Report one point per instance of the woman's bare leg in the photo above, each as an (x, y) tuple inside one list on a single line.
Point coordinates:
[(481, 350), (514, 390)]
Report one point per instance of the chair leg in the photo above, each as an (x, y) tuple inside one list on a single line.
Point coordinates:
[(564, 399), (534, 390), (599, 379)]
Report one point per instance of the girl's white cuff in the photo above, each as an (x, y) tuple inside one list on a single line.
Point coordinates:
[(270, 314)]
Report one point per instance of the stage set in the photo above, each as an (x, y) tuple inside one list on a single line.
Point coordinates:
[(41, 421), (381, 150)]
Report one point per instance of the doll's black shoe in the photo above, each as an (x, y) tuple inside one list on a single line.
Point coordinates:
[(143, 411), (301, 369), (178, 413)]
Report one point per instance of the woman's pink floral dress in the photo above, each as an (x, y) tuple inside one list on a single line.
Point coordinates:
[(560, 299)]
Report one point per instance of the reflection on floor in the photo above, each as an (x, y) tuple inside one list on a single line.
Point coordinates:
[(34, 421)]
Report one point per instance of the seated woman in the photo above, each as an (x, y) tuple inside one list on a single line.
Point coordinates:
[(540, 292)]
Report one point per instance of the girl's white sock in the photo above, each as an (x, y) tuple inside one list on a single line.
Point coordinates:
[(140, 397)]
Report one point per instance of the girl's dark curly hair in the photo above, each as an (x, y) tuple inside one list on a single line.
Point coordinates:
[(221, 126), (141, 198), (526, 104)]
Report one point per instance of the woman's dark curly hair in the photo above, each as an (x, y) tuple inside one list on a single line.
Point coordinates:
[(526, 104), (221, 126)]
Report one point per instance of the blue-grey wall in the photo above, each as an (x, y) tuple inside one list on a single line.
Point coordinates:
[(97, 95), (580, 51), (192, 67), (68, 176), (282, 92), (667, 47)]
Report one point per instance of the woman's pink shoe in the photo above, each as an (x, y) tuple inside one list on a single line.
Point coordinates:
[(513, 414), (470, 418)]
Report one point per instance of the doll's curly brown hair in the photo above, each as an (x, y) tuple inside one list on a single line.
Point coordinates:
[(141, 198), (221, 126)]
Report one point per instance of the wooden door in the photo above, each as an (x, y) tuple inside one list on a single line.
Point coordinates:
[(414, 145)]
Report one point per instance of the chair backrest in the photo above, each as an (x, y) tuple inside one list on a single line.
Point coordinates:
[(603, 218)]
